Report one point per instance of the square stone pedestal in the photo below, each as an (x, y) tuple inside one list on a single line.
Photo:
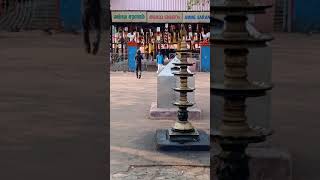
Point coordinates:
[(164, 143), (157, 113)]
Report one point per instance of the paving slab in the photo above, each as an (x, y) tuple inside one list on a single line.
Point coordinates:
[(133, 133)]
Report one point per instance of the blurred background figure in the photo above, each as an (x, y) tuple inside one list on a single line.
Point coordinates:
[(92, 13), (160, 61), (138, 64)]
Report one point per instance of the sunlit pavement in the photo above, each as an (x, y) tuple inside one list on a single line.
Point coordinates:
[(132, 133)]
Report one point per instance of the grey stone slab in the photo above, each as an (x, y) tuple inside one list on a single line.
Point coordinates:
[(163, 142), (166, 81)]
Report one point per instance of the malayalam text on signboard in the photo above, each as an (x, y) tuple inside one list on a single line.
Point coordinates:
[(196, 17), (122, 16), (164, 17), (161, 17)]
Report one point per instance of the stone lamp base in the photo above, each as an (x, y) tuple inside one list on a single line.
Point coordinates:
[(167, 140)]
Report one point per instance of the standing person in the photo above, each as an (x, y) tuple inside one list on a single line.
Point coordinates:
[(160, 61), (92, 12), (150, 48), (146, 51), (138, 64)]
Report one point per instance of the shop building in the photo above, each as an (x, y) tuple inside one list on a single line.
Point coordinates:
[(158, 26)]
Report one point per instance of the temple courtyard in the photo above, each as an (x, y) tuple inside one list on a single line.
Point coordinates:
[(53, 112)]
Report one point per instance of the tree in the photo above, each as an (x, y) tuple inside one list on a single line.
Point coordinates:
[(192, 3)]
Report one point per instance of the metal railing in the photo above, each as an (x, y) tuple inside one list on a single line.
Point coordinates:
[(117, 57), (119, 62)]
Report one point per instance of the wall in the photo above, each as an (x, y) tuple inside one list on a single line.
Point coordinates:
[(1, 7), (264, 22), (132, 50), (70, 15), (205, 58), (306, 15)]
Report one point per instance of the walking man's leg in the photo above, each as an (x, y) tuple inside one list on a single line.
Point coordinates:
[(137, 69), (86, 27), (97, 24), (140, 68)]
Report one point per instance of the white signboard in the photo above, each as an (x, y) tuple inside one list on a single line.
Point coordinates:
[(196, 17), (128, 16)]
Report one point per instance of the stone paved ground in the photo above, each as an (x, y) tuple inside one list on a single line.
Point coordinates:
[(52, 108), (163, 172), (295, 112), (295, 99), (53, 113), (132, 133)]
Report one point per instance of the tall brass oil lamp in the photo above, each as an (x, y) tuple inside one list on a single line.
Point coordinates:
[(183, 136), (234, 134), (182, 125)]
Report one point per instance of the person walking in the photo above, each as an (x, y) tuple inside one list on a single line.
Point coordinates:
[(160, 61), (138, 64), (92, 12)]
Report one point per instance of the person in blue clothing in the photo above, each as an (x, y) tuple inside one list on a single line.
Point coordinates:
[(160, 61)]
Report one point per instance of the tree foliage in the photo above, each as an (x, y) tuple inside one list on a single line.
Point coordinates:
[(192, 3)]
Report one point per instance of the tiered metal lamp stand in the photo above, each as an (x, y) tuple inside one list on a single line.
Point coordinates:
[(183, 136), (234, 134)]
